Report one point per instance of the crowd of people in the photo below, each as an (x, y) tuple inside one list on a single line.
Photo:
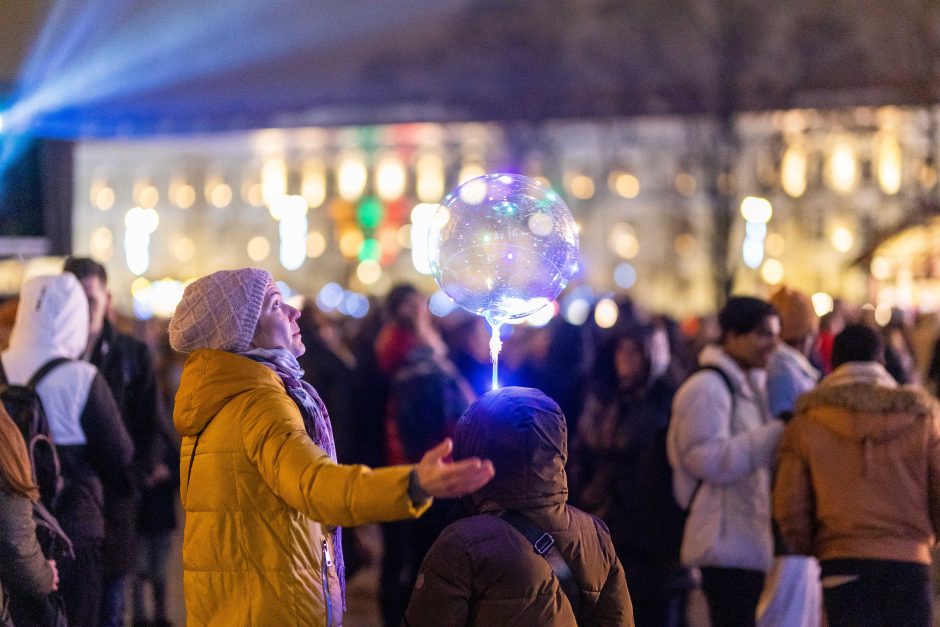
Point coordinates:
[(786, 465)]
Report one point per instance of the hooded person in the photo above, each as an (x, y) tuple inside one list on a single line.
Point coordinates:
[(262, 493), (619, 470), (85, 424), (482, 570)]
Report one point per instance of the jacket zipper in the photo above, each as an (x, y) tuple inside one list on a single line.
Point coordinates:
[(327, 562)]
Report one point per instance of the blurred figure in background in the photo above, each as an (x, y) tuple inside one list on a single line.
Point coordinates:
[(792, 596), (427, 396), (857, 486), (721, 444), (94, 446), (126, 364), (619, 471)]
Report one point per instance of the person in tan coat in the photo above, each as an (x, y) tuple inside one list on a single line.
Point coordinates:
[(858, 486), (262, 493)]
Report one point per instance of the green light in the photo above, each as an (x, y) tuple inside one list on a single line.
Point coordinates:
[(370, 213), (370, 249)]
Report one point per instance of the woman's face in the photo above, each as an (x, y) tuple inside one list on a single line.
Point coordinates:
[(629, 361), (277, 326)]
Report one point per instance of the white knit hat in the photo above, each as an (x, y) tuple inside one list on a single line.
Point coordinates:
[(220, 311)]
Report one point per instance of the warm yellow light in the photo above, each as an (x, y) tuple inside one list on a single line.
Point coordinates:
[(184, 249), (102, 196), (756, 209), (313, 182), (842, 165), (258, 248), (146, 195), (255, 195), (774, 245), (102, 243), (182, 194), (822, 303), (623, 241), (316, 244), (793, 170), (404, 236), (842, 239), (883, 314), (220, 195), (881, 268), (139, 285), (369, 271), (772, 271), (351, 176), (350, 241), (606, 313), (685, 184), (390, 178), (470, 169), (581, 186), (273, 180), (429, 177), (624, 184), (888, 163)]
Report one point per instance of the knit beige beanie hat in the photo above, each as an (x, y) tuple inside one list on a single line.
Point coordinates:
[(220, 311)]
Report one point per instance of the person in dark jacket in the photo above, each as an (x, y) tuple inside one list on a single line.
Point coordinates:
[(482, 570), (25, 574), (426, 397), (127, 366), (94, 447), (620, 472)]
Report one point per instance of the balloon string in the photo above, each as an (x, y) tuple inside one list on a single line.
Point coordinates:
[(496, 345)]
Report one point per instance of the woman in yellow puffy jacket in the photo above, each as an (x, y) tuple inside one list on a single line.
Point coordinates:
[(263, 495)]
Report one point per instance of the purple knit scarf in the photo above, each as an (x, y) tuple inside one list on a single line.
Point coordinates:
[(316, 423)]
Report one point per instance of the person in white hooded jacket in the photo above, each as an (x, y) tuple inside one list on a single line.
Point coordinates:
[(721, 443), (84, 421)]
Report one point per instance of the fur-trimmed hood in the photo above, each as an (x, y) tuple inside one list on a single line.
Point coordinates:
[(860, 401)]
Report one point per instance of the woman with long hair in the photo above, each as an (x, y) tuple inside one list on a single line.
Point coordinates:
[(24, 571)]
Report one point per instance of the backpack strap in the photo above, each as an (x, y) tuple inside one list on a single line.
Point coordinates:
[(727, 380), (45, 369), (544, 545)]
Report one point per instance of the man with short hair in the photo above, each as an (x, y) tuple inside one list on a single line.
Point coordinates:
[(721, 443), (858, 486), (127, 366)]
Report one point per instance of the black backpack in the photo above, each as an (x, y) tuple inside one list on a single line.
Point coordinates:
[(25, 408)]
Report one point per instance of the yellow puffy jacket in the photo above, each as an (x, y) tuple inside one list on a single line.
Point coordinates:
[(258, 495)]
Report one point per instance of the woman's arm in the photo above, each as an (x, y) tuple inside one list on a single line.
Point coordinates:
[(23, 567)]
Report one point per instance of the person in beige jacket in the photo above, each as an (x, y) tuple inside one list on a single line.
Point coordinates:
[(858, 486)]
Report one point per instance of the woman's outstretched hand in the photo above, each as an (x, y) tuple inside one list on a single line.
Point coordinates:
[(446, 480)]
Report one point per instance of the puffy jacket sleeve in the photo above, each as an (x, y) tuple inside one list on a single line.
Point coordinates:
[(442, 593), (614, 606), (702, 415), (22, 565), (302, 474), (793, 499)]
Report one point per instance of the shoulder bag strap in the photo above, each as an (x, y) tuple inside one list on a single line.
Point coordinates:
[(45, 369), (544, 545)]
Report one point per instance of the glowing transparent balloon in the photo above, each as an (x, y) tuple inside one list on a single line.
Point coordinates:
[(502, 246)]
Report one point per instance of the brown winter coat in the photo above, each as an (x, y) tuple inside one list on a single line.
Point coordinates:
[(481, 571), (859, 470)]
